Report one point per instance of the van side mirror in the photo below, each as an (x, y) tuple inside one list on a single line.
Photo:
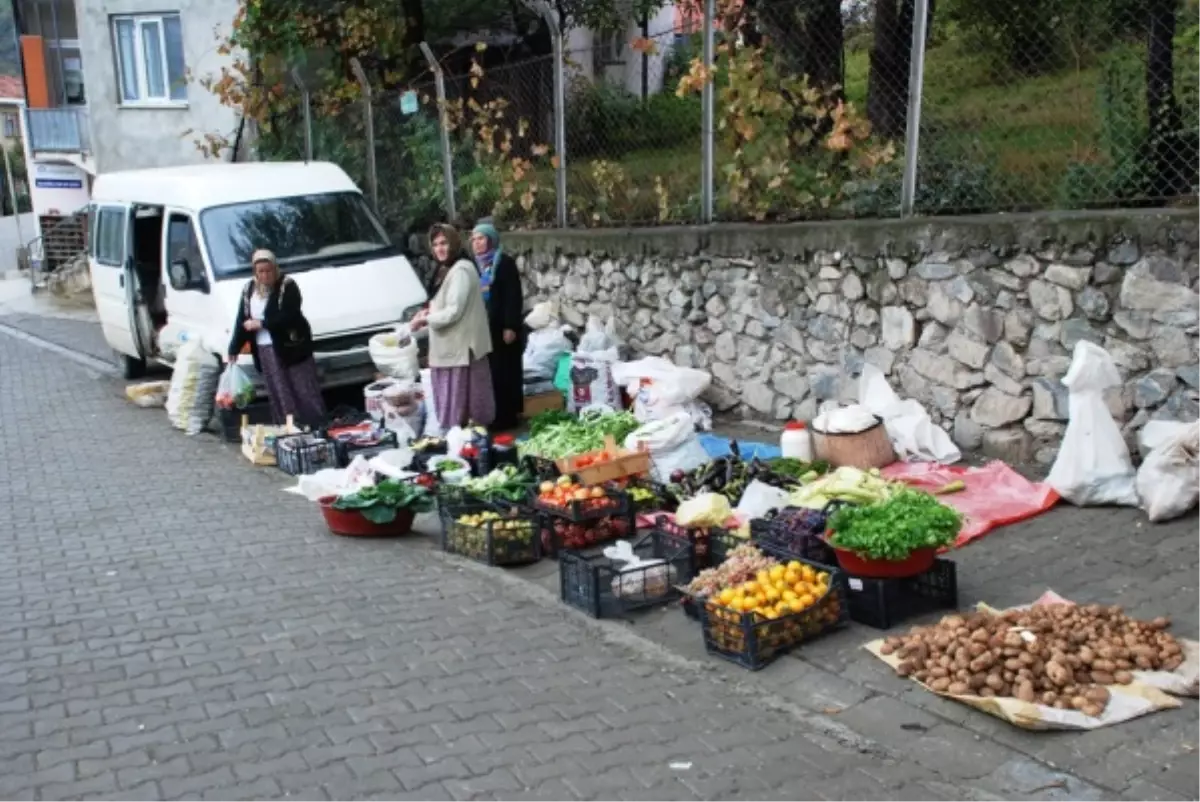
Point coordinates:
[(182, 279)]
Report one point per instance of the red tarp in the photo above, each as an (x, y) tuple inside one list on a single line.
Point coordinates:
[(995, 494)]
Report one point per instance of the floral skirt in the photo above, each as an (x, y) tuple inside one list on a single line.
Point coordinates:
[(464, 395), (293, 389)]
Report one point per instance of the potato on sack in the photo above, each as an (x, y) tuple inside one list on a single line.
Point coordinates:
[(1048, 666)]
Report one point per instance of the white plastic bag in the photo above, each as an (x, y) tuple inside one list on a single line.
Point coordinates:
[(193, 388), (673, 445), (659, 388), (850, 419), (639, 579), (395, 354), (592, 381), (433, 427), (1168, 482), (336, 481), (544, 315), (1157, 432), (914, 436), (1093, 466), (542, 350), (393, 463), (759, 499), (598, 336)]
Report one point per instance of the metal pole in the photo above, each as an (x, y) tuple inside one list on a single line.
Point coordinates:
[(708, 111), (12, 194), (560, 116), (912, 128), (439, 83), (369, 120), (307, 100)]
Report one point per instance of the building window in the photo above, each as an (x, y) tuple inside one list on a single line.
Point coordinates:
[(10, 126), (149, 51)]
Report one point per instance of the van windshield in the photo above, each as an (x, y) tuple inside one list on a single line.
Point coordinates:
[(305, 231)]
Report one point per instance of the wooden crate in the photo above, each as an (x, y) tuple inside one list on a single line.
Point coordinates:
[(625, 463), (258, 441), (543, 402)]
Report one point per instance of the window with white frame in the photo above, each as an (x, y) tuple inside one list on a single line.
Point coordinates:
[(149, 55)]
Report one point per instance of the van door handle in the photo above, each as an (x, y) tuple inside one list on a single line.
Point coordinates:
[(121, 279)]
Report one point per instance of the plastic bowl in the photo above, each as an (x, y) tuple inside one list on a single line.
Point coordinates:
[(351, 523)]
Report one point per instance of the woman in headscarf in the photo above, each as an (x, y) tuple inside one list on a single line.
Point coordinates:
[(459, 340), (502, 294), (270, 321)]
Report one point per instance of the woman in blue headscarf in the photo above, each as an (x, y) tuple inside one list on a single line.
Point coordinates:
[(501, 284)]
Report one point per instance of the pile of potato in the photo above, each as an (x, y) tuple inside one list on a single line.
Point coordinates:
[(1060, 655)]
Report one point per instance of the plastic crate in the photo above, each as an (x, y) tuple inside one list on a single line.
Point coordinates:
[(662, 501), (544, 470), (560, 534), (696, 538), (304, 454), (344, 416), (884, 603), (512, 539), (581, 511), (366, 444), (232, 420), (765, 533), (595, 584), (721, 541), (753, 641)]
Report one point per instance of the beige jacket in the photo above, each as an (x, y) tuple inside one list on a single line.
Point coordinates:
[(458, 321)]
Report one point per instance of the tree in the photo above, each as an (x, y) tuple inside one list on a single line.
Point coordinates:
[(890, 62), (1169, 145)]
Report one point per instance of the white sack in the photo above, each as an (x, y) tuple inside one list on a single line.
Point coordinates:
[(673, 445), (542, 351), (659, 388), (914, 436), (1168, 482)]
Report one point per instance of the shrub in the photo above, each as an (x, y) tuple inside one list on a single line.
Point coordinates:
[(604, 120)]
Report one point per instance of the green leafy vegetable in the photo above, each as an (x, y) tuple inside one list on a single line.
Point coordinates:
[(544, 420), (505, 483), (579, 435), (797, 468), (893, 529), (381, 503)]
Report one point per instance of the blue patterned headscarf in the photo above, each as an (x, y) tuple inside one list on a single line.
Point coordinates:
[(486, 261)]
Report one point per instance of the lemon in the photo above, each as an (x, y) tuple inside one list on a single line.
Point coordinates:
[(789, 594), (771, 595), (763, 577), (806, 601), (795, 566), (777, 572), (750, 587), (823, 576), (796, 606), (726, 596)]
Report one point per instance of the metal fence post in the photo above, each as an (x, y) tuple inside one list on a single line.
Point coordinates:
[(912, 127), (560, 115), (369, 122), (306, 99), (439, 83), (708, 113)]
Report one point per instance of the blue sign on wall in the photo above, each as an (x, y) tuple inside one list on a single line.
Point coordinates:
[(58, 183)]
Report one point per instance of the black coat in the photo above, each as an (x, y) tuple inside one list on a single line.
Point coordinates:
[(506, 313), (291, 335)]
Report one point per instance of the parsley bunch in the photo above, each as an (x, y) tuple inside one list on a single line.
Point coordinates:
[(893, 529)]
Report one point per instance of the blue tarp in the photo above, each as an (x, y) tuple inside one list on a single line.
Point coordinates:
[(719, 447)]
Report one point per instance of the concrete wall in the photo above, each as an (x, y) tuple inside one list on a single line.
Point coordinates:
[(132, 137), (10, 242), (974, 317)]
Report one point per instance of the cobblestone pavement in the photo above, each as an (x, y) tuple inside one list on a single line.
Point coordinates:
[(177, 628), (180, 628)]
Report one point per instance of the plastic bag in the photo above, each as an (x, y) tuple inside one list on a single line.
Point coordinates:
[(704, 510), (759, 499), (1157, 432), (598, 337), (148, 395), (1093, 466), (235, 390), (850, 419), (912, 432), (395, 354), (659, 388), (542, 350), (193, 388), (673, 445), (337, 481), (544, 315), (592, 381), (1168, 482), (639, 579)]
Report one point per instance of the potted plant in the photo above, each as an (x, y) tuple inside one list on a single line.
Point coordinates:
[(387, 508), (894, 538)]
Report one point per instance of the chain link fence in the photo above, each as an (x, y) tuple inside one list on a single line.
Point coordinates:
[(1031, 104)]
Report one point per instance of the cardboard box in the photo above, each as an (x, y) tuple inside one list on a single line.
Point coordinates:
[(543, 402)]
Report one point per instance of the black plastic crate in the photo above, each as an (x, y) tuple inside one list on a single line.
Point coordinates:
[(544, 470), (366, 445), (884, 603), (662, 500), (512, 537), (697, 538), (303, 454), (617, 504), (721, 541), (753, 641), (691, 608), (595, 584), (766, 533), (343, 416), (230, 420), (560, 534)]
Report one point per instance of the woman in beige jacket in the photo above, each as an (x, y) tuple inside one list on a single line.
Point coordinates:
[(459, 338)]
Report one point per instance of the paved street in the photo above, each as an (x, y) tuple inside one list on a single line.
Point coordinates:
[(177, 627)]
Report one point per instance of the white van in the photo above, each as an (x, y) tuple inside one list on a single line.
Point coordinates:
[(173, 245)]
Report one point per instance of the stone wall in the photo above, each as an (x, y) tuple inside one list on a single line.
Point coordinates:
[(974, 317)]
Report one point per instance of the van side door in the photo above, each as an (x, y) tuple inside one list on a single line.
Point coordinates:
[(108, 256)]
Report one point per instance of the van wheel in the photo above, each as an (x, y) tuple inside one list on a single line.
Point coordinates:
[(131, 367)]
